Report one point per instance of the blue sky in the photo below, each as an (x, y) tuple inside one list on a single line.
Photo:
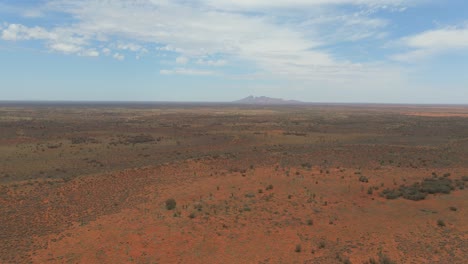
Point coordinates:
[(388, 51)]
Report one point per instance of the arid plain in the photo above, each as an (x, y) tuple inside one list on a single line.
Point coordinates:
[(93, 183)]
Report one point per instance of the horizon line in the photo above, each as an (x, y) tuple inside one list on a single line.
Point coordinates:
[(286, 103)]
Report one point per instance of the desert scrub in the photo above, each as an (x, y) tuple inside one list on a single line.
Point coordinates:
[(419, 191), (363, 178), (383, 259), (171, 204), (321, 244), (298, 248), (440, 223)]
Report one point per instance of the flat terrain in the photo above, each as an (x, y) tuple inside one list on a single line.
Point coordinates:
[(88, 183)]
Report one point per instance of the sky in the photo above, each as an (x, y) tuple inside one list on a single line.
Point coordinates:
[(356, 51)]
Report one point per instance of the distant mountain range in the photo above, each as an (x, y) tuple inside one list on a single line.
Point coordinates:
[(263, 100)]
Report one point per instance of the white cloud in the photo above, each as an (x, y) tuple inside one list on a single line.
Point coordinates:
[(118, 56), (433, 42), (89, 53), (255, 4), (65, 48), (60, 40), (16, 32), (198, 32), (445, 38), (182, 60), (216, 63), (33, 13), (132, 47), (106, 51), (276, 47), (184, 71)]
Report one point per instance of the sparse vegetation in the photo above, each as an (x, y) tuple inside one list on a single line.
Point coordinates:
[(363, 178), (382, 259), (171, 204), (81, 165), (298, 248), (419, 191), (440, 223), (321, 244)]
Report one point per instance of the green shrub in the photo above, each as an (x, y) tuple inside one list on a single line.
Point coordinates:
[(321, 244), (437, 185), (440, 223), (391, 194), (419, 191), (412, 193), (298, 248), (170, 204), (384, 259)]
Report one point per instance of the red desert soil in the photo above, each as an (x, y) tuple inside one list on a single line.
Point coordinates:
[(237, 224), (438, 114), (279, 185)]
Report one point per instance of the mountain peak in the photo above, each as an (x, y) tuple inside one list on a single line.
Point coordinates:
[(263, 100)]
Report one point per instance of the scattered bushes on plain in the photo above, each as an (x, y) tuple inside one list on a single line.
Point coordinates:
[(170, 204), (419, 191), (363, 178), (440, 223), (298, 248)]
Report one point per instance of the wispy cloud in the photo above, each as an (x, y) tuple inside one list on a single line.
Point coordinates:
[(118, 56), (225, 29), (256, 4), (433, 42), (184, 71)]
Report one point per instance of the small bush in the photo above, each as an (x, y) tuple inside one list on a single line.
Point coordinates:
[(384, 259), (269, 187), (419, 191), (391, 194), (310, 222), (412, 193), (298, 248), (192, 215), (440, 223), (346, 261), (321, 244), (453, 208), (250, 195), (170, 204), (363, 178), (198, 207), (437, 185)]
